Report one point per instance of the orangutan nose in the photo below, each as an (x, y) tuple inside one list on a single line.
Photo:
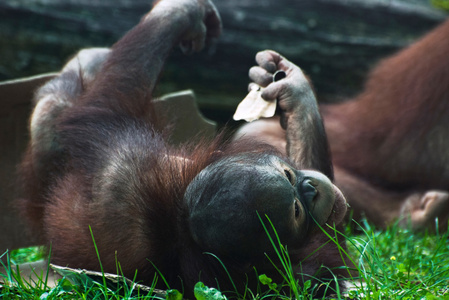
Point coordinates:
[(308, 191), (318, 195)]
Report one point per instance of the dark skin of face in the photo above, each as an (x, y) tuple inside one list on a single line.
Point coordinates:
[(224, 216)]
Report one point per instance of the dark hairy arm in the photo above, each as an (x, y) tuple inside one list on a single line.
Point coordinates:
[(307, 144), (136, 60), (118, 101)]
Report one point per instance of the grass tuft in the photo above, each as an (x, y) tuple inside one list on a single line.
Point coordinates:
[(395, 263)]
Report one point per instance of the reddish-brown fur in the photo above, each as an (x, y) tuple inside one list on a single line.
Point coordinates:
[(98, 162), (390, 144)]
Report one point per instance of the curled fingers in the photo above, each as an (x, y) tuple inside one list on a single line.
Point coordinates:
[(260, 76)]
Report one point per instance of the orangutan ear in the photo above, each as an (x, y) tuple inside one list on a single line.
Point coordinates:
[(428, 210)]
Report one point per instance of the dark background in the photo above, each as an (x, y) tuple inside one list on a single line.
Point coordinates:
[(334, 41)]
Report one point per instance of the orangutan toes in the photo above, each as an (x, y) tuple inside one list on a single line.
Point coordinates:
[(428, 210)]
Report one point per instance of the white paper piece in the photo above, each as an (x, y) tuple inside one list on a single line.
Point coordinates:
[(254, 107)]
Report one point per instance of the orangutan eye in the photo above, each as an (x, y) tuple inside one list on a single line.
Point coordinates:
[(290, 176), (296, 209)]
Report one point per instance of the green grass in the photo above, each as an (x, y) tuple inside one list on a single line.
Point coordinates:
[(399, 264), (25, 255), (441, 4), (392, 264), (74, 286)]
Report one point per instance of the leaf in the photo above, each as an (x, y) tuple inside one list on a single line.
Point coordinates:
[(265, 280), (173, 295), (66, 285), (203, 292), (307, 285)]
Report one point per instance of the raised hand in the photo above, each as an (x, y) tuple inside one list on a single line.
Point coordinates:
[(136, 60), (203, 24), (293, 92), (306, 139)]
